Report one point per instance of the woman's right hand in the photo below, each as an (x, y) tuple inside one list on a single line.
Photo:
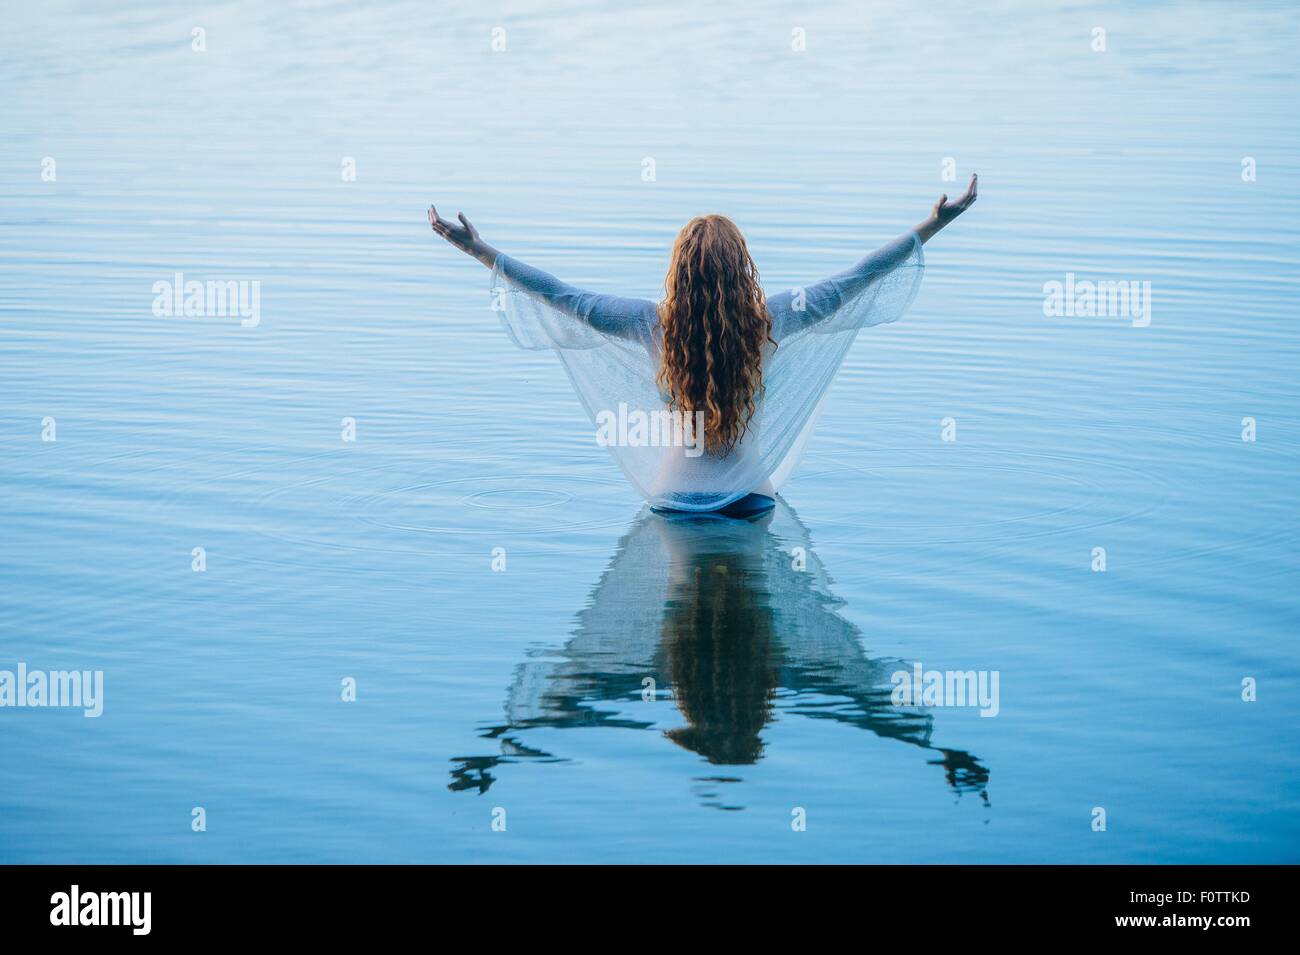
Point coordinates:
[(463, 236)]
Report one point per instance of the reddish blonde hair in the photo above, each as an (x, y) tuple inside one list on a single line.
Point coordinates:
[(715, 323)]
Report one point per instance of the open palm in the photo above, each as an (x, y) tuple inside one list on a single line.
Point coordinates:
[(946, 210), (463, 236)]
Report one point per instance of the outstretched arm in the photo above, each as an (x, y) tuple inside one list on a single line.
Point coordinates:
[(945, 211), (620, 317), (818, 303)]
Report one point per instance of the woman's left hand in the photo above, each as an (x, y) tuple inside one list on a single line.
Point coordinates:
[(945, 210)]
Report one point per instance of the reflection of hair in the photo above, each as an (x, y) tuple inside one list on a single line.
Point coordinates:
[(718, 633), (715, 323)]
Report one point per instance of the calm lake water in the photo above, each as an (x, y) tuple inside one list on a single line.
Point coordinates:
[(128, 156)]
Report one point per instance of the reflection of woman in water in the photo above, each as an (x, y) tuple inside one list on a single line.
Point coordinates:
[(716, 354), (729, 615), (719, 638)]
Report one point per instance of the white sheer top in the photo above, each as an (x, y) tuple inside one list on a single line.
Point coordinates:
[(610, 347)]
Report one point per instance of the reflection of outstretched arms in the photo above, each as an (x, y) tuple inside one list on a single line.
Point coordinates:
[(610, 314), (717, 613)]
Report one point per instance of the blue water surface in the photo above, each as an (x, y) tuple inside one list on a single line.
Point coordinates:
[(627, 688)]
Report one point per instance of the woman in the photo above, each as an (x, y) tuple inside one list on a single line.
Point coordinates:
[(706, 398)]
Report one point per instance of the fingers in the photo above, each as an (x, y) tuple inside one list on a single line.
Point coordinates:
[(439, 225), (448, 230)]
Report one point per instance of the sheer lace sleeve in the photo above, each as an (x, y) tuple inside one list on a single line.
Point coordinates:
[(875, 291), (540, 311)]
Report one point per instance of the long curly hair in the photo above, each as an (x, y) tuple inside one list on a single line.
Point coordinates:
[(715, 325)]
